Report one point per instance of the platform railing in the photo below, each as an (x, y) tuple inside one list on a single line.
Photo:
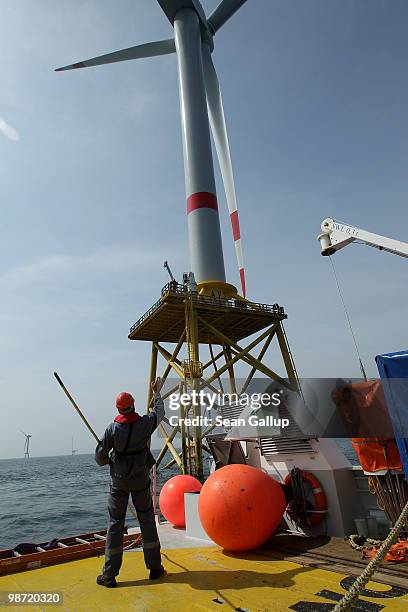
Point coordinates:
[(174, 288)]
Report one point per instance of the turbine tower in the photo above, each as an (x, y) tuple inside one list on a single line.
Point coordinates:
[(200, 107), (26, 444)]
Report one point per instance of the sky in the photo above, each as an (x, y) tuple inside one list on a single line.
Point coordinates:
[(93, 201)]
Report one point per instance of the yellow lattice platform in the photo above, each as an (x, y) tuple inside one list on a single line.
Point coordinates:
[(165, 320)]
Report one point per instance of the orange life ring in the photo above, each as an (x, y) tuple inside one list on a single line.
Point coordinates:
[(319, 496)]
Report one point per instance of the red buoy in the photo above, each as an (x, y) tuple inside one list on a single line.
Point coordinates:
[(171, 500), (240, 507)]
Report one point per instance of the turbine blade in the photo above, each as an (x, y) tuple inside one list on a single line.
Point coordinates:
[(222, 13), (24, 434), (160, 47), (219, 132)]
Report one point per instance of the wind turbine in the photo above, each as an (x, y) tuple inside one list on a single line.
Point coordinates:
[(200, 107), (27, 444)]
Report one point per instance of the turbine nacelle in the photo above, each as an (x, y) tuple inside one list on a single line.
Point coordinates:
[(172, 7), (222, 13)]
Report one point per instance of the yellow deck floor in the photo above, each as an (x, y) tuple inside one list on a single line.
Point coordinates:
[(197, 577)]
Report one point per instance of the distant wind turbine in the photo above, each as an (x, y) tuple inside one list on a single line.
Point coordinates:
[(27, 444)]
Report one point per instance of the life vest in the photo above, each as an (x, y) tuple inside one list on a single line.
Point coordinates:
[(131, 417)]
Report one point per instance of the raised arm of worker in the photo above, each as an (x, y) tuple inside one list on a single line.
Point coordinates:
[(157, 413), (104, 446)]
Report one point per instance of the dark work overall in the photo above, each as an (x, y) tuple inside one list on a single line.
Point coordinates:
[(139, 490)]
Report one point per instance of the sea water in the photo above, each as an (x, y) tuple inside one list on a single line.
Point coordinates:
[(42, 498)]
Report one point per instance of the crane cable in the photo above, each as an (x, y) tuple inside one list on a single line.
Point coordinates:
[(348, 319)]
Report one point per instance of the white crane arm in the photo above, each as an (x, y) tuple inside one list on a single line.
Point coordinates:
[(336, 235)]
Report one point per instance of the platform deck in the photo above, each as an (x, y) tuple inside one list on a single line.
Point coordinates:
[(237, 319)]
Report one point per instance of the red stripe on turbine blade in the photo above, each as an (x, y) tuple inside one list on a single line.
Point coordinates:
[(235, 225), (79, 65), (201, 199), (243, 285)]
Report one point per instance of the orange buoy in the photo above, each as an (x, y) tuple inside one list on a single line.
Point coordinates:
[(240, 507), (171, 500)]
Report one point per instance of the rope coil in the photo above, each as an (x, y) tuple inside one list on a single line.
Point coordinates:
[(361, 581)]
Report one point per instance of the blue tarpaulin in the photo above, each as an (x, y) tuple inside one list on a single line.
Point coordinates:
[(393, 369)]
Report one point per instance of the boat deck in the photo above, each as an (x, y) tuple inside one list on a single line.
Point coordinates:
[(203, 577), (335, 554)]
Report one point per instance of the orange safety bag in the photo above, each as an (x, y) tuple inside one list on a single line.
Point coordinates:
[(398, 552), (364, 411), (376, 454)]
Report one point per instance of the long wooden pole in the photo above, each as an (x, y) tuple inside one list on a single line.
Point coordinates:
[(79, 411), (75, 405)]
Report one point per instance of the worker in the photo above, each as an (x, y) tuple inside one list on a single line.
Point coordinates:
[(125, 447)]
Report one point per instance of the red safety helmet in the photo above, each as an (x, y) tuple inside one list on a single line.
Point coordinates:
[(124, 400)]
